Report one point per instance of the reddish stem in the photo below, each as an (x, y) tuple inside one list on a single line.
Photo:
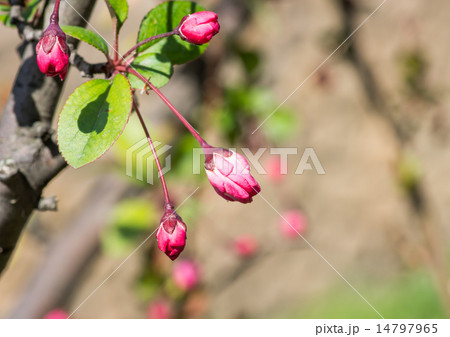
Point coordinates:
[(152, 38), (155, 155), (116, 42), (202, 142), (54, 18)]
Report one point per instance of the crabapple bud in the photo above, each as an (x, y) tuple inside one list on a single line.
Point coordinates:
[(52, 52), (229, 174), (199, 28), (171, 234)]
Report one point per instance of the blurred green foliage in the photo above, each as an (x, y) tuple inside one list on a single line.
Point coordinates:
[(413, 67), (130, 222), (28, 12), (245, 106), (409, 171), (412, 295)]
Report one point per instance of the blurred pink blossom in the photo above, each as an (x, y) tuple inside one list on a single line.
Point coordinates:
[(273, 167), (245, 246), (186, 274), (293, 225), (159, 309), (57, 314)]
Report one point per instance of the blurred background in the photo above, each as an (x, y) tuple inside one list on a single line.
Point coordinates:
[(376, 115)]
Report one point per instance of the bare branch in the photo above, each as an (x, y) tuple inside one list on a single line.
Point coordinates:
[(87, 69)]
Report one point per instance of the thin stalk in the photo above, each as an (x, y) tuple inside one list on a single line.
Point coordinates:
[(152, 38), (155, 155), (54, 18), (116, 41), (183, 120)]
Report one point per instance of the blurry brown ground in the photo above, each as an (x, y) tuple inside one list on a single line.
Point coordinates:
[(359, 217)]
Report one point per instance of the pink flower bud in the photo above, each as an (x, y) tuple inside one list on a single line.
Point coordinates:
[(160, 309), (171, 234), (229, 174), (186, 274), (199, 28), (57, 314), (245, 246), (295, 225), (52, 52)]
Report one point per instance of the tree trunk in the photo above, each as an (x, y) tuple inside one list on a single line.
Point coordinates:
[(29, 156)]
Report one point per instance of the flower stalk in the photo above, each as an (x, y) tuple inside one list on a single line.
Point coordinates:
[(191, 129), (54, 18), (150, 39), (155, 155)]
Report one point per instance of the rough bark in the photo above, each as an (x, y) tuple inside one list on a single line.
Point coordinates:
[(55, 277), (29, 156)]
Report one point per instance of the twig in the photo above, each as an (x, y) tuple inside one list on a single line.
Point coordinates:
[(87, 69)]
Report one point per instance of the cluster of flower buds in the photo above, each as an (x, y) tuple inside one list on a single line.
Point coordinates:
[(227, 171), (52, 51)]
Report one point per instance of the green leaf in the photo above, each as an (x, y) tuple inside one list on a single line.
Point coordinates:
[(87, 36), (165, 18), (93, 118), (4, 15), (6, 19), (118, 10), (157, 67)]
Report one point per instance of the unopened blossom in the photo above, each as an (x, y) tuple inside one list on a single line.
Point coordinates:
[(171, 234), (229, 174), (52, 52), (199, 28)]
